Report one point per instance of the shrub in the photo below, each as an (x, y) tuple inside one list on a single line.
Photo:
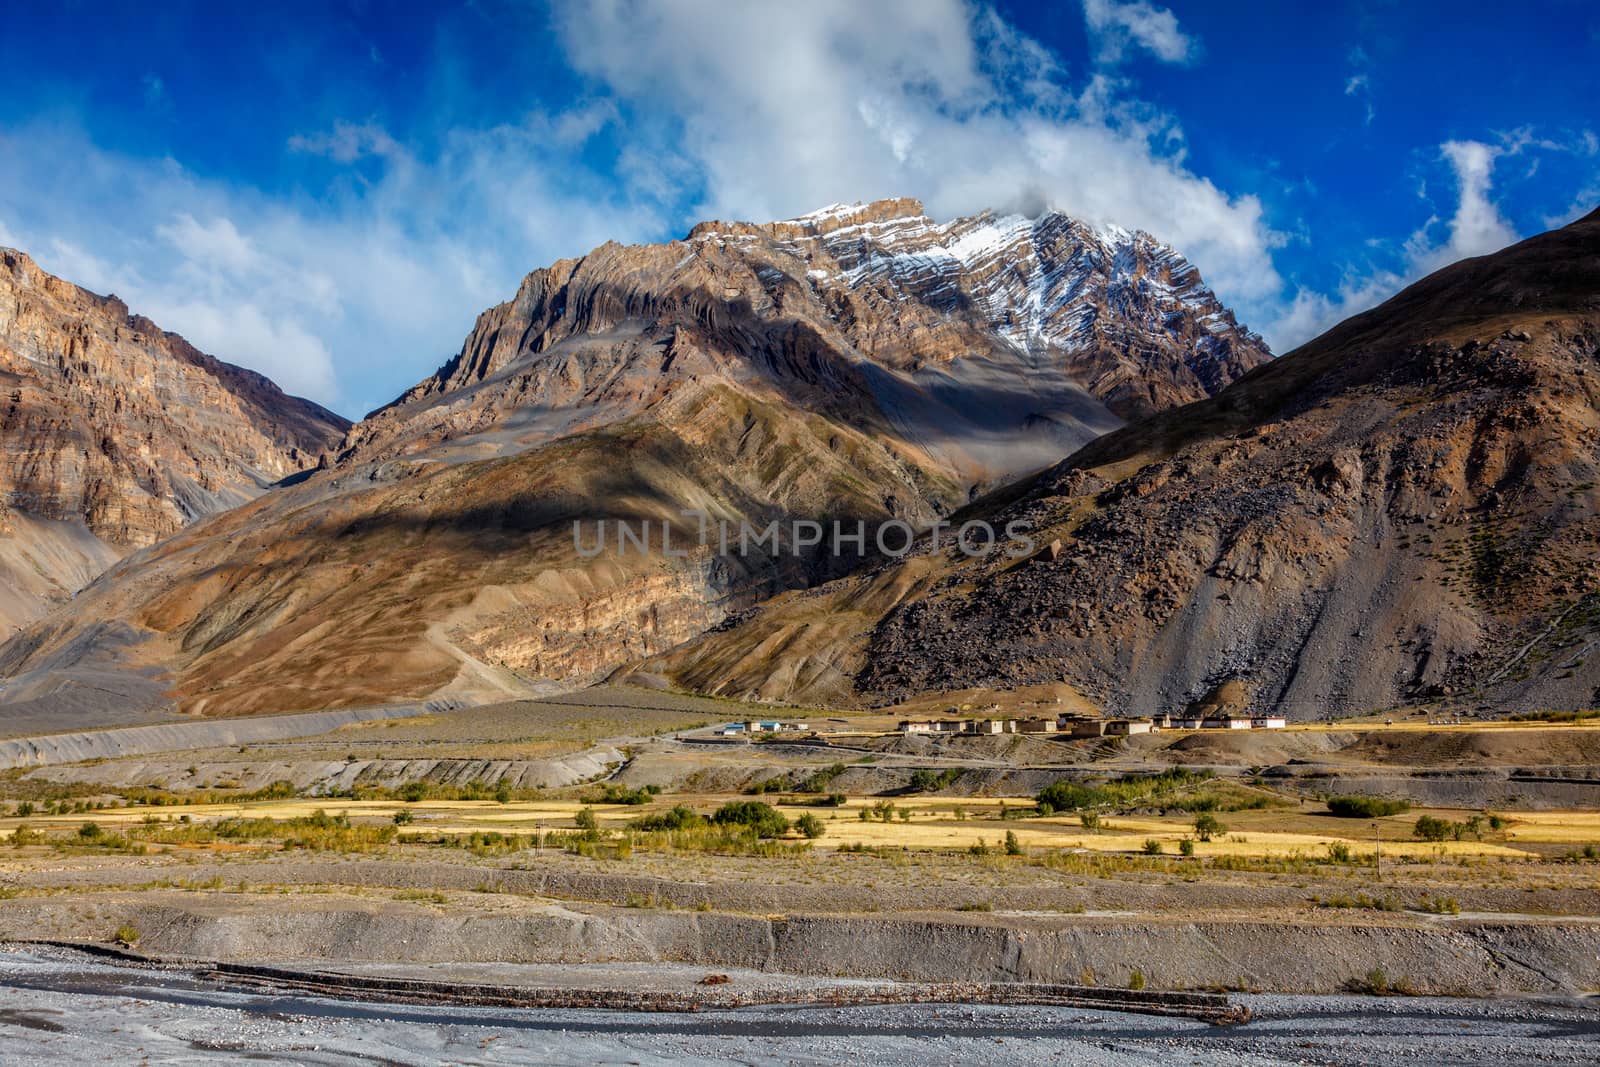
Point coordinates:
[(1361, 902), (1186, 846), (412, 792), (1013, 846), (1069, 796), (1339, 853), (930, 781), (1366, 807), (612, 793), (820, 780), (1152, 847), (1379, 984), (126, 934), (1136, 980), (1429, 828), (25, 809), (90, 831), (502, 793), (811, 826), (585, 819), (754, 815), (1090, 821), (401, 818), (1206, 826), (675, 818)]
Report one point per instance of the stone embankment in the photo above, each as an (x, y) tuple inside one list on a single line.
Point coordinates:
[(1464, 956)]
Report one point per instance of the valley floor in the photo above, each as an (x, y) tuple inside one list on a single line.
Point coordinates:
[(549, 833)]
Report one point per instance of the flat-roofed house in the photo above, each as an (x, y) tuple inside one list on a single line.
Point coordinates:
[(1268, 722)]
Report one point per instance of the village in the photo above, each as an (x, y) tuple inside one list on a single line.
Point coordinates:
[(1066, 726)]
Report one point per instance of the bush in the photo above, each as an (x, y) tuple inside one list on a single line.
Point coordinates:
[(1366, 807), (612, 793), (811, 826), (1429, 828), (90, 831), (1136, 980), (928, 781), (1152, 847), (412, 792), (675, 818), (1186, 846), (585, 819), (753, 814), (1090, 821), (1361, 902), (1440, 905), (819, 781), (401, 818), (1206, 826), (1013, 846), (1378, 984), (1339, 853), (126, 934), (1069, 796)]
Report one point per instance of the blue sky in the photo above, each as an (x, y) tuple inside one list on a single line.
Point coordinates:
[(331, 192)]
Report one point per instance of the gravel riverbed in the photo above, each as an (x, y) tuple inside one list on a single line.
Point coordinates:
[(62, 1007)]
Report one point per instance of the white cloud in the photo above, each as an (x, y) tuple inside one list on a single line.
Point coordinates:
[(927, 98), (367, 274), (348, 142), (1477, 227), (1116, 26), (1359, 86), (348, 294)]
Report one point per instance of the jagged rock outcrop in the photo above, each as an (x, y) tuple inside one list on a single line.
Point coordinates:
[(993, 344), (861, 364), (115, 434), (1403, 510)]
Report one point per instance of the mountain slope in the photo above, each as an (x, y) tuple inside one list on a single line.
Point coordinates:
[(860, 364), (114, 434), (1404, 509)]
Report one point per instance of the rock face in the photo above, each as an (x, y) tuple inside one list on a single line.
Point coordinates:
[(114, 434), (860, 364), (1404, 510), (995, 345)]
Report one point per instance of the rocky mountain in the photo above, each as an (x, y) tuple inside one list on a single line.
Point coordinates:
[(859, 364), (115, 434), (1403, 510)]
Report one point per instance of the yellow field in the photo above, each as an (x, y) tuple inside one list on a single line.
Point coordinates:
[(933, 825), (1555, 827)]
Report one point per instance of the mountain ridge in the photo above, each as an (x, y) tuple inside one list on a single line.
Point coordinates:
[(1403, 509), (749, 372), (117, 433)]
